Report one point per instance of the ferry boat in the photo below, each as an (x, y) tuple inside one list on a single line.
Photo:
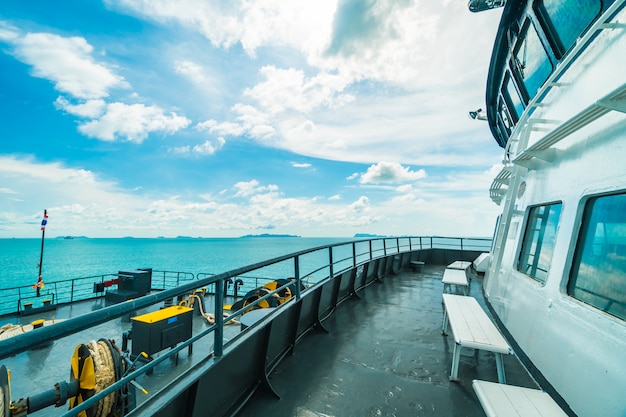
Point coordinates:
[(361, 333)]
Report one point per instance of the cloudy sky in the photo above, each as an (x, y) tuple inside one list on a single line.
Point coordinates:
[(223, 118)]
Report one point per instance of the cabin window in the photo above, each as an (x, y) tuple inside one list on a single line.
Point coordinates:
[(566, 20), (538, 244), (599, 269), (513, 98), (531, 61)]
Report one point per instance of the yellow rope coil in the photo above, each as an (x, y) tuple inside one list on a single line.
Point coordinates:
[(105, 375)]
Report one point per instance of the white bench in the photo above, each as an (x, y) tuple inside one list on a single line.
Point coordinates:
[(417, 266), (481, 263), (500, 400), (456, 277), (472, 328), (460, 265), (463, 265)]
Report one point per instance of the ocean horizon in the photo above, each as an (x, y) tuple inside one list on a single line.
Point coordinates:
[(69, 258)]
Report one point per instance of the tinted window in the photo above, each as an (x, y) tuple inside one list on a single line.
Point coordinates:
[(513, 97), (539, 238), (599, 268), (531, 61), (565, 20)]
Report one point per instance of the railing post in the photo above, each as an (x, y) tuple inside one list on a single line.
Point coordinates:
[(72, 292), (371, 253), (461, 244), (354, 254), (331, 272), (218, 343), (296, 272), (385, 246)]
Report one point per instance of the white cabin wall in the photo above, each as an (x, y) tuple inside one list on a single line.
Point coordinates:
[(579, 349)]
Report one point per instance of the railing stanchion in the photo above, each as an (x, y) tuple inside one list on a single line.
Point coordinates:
[(296, 272), (218, 344), (331, 272)]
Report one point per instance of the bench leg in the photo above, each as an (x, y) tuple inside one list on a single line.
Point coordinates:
[(456, 357), (500, 367), (444, 324)]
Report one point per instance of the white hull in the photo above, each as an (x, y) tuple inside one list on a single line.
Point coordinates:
[(579, 349)]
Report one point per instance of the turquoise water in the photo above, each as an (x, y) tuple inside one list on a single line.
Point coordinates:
[(65, 259)]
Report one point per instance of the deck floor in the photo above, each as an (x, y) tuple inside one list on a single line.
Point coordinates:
[(384, 355)]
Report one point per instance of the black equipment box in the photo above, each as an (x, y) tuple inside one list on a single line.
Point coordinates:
[(162, 329), (138, 281), (130, 284)]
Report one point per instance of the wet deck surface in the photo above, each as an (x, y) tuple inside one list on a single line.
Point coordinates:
[(384, 355), (37, 370)]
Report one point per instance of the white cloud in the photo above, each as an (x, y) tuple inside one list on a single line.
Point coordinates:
[(391, 173), (360, 205), (8, 33), (80, 202), (208, 148), (289, 89), (296, 23), (248, 188), (191, 70), (89, 109), (67, 62), (390, 68), (300, 165), (133, 122), (250, 122)]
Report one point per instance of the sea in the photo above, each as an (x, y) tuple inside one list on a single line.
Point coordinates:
[(65, 259)]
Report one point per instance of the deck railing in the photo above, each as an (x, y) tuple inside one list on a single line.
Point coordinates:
[(312, 270), (313, 265), (18, 300)]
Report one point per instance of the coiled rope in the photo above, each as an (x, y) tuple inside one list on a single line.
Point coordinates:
[(105, 375), (210, 317)]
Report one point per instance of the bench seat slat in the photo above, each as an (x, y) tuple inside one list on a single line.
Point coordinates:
[(511, 401), (471, 326), (459, 265)]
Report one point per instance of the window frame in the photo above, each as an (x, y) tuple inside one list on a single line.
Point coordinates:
[(528, 241), (519, 78), (577, 252)]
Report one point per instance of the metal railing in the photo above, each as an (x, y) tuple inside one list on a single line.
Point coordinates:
[(18, 300), (307, 268)]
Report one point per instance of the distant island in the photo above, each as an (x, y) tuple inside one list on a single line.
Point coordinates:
[(268, 235), (367, 235)]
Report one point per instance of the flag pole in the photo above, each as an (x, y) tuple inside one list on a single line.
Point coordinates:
[(43, 234)]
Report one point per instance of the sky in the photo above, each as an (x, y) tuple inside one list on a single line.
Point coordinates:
[(321, 118)]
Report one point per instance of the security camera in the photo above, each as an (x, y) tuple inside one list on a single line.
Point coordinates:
[(476, 115)]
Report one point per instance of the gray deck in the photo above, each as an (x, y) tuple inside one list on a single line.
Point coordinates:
[(384, 359), (384, 355)]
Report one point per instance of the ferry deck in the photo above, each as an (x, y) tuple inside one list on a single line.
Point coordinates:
[(381, 353)]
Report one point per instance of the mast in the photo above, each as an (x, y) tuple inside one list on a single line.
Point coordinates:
[(44, 221)]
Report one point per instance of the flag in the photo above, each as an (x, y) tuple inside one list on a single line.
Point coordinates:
[(44, 221)]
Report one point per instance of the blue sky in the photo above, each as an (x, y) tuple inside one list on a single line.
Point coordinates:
[(225, 118)]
